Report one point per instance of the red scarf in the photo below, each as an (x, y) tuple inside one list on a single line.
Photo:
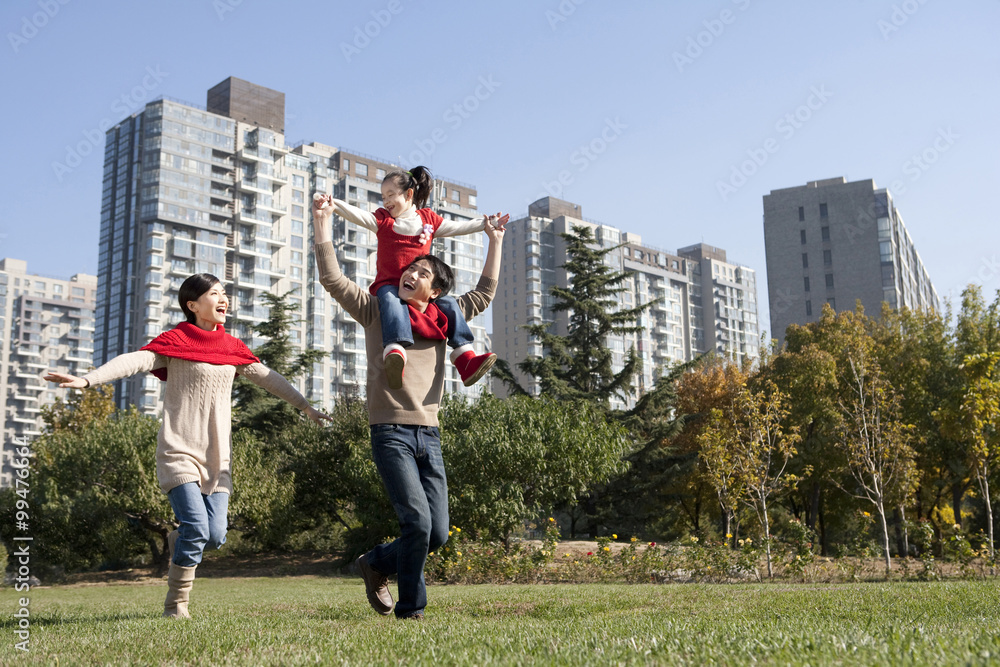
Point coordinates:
[(431, 323), (186, 341)]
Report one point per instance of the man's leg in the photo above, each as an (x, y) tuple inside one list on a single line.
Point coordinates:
[(409, 461)]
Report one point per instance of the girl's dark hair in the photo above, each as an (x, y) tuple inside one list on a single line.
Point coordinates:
[(192, 289), (444, 279), (418, 178)]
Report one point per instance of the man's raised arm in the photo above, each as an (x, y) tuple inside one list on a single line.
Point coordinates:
[(357, 302)]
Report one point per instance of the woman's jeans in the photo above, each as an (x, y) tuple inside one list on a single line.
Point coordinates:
[(396, 319), (409, 461), (203, 522)]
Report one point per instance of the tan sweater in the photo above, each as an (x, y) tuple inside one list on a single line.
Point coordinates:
[(417, 402), (194, 442)]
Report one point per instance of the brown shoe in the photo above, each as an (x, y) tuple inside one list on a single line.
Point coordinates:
[(394, 363), (376, 586)]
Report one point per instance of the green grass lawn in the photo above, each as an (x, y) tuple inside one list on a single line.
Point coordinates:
[(326, 620)]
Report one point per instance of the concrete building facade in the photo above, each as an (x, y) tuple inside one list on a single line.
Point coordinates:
[(46, 324), (839, 242), (701, 302)]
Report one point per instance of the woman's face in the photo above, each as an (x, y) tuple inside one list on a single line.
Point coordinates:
[(210, 308)]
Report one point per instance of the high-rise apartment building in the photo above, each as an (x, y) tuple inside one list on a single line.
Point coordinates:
[(190, 189), (836, 242), (701, 302), (46, 324)]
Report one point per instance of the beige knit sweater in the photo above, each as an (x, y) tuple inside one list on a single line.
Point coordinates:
[(417, 402), (194, 442)]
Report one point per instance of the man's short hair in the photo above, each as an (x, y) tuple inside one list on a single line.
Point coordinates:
[(444, 279)]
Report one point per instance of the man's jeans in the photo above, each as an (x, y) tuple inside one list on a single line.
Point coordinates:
[(395, 318), (203, 522), (409, 460)]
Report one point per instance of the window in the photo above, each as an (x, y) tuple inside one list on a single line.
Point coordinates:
[(805, 260), (826, 233), (296, 226), (456, 195), (829, 281), (802, 213), (827, 258), (361, 169), (822, 211), (298, 181), (472, 201), (832, 302), (802, 236), (805, 281), (347, 164), (809, 307), (380, 174)]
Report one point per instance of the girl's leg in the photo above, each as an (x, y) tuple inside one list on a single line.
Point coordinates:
[(459, 333), (395, 317)]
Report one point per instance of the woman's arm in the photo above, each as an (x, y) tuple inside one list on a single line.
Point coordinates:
[(276, 384), (122, 366)]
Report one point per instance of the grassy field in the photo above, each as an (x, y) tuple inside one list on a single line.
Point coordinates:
[(326, 620)]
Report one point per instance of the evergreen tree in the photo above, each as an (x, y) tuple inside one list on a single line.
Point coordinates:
[(257, 409), (579, 364)]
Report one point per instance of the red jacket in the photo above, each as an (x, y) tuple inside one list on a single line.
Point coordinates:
[(396, 252)]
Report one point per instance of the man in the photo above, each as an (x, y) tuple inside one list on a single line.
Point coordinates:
[(406, 442)]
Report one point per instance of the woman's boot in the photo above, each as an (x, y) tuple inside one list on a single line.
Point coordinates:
[(180, 579)]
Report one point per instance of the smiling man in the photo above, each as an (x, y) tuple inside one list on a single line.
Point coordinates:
[(406, 442)]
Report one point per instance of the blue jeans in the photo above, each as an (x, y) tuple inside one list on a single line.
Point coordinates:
[(203, 522), (396, 319), (409, 461)]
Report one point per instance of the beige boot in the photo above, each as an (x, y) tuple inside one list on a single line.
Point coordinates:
[(180, 579)]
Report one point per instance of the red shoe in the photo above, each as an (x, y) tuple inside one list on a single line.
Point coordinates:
[(472, 367), (394, 363)]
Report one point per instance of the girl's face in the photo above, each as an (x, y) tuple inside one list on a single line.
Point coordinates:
[(394, 200), (210, 308)]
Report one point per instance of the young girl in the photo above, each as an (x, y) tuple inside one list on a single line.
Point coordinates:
[(198, 360), (404, 230)]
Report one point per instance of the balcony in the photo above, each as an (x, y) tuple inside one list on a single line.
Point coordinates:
[(254, 217), (252, 185)]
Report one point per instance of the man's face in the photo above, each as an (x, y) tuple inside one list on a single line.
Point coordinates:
[(415, 283)]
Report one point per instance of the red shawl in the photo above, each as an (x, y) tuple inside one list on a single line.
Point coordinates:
[(186, 341), (431, 323)]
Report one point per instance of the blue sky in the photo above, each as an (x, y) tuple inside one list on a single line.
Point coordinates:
[(637, 111)]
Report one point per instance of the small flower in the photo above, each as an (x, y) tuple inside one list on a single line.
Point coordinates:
[(634, 538), (729, 536), (798, 558), (590, 553), (742, 542), (551, 520), (449, 533), (607, 548), (458, 553), (431, 553), (866, 514), (749, 541), (468, 567), (614, 536), (576, 562), (652, 544), (956, 527), (457, 529), (694, 539)]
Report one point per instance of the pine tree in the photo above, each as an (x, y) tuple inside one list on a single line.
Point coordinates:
[(579, 364)]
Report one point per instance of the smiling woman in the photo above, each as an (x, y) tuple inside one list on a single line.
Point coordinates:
[(198, 361)]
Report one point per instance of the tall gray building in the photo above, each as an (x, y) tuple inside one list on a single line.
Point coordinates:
[(46, 324), (836, 242), (215, 188), (701, 302)]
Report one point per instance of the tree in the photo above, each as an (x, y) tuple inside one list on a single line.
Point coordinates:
[(746, 450), (579, 365), (874, 439), (507, 460), (257, 409)]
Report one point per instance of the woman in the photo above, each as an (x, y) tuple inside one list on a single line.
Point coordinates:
[(198, 360)]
